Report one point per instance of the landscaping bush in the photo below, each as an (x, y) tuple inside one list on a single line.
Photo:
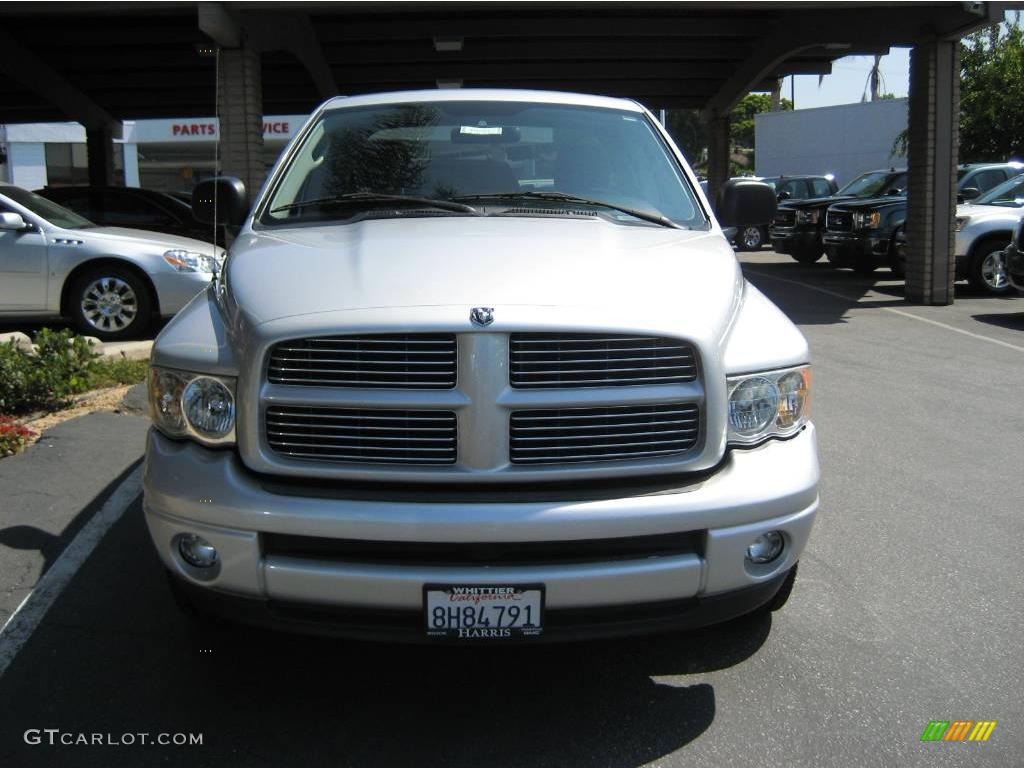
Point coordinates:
[(64, 365)]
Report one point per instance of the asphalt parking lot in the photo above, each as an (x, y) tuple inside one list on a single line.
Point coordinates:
[(908, 607)]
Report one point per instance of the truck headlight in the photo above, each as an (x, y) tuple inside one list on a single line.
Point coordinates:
[(191, 261), (809, 216), (771, 404), (867, 219), (196, 405)]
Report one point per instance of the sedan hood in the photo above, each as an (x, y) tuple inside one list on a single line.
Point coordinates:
[(460, 261), (144, 237), (978, 211)]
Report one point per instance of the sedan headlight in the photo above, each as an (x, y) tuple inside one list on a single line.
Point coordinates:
[(809, 216), (867, 219), (772, 404), (191, 261), (196, 405)]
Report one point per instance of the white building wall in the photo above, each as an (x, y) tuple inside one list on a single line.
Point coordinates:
[(27, 164), (844, 140)]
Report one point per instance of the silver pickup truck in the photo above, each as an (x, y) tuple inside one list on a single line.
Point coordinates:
[(480, 366)]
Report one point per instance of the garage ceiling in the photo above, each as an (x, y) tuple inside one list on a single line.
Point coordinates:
[(93, 62)]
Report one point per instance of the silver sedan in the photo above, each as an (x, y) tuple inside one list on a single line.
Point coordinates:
[(110, 282)]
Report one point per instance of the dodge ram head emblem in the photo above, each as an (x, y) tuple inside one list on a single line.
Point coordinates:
[(482, 315)]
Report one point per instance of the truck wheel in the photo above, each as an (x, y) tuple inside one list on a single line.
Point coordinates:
[(782, 596), (110, 302), (987, 270), (806, 256), (838, 258), (750, 238)]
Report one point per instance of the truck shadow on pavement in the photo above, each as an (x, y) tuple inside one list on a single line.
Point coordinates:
[(114, 655)]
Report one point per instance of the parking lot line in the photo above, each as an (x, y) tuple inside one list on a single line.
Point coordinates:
[(900, 312), (23, 622)]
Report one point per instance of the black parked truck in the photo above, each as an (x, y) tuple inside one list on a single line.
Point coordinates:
[(798, 225), (751, 236), (861, 233)]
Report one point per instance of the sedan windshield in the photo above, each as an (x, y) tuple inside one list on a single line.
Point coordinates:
[(496, 156), (1009, 193), (57, 215), (874, 184)]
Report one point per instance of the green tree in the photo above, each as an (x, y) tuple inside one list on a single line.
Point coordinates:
[(992, 94), (691, 133)]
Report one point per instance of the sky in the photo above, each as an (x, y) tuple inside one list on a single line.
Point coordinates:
[(848, 82)]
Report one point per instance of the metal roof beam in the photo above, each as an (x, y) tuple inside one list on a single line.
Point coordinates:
[(24, 66)]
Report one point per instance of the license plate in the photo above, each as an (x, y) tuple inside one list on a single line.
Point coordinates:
[(483, 611)]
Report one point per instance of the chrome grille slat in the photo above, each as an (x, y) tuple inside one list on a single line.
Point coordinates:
[(574, 360), (364, 436), (384, 361), (571, 435)]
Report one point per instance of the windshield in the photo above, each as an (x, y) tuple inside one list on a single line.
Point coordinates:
[(446, 150), (874, 184), (57, 215), (1009, 193)]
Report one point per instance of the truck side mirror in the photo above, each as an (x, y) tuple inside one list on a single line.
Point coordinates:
[(744, 201), (12, 222), (969, 193), (221, 200)]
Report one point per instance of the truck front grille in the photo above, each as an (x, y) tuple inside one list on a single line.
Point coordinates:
[(575, 435), (784, 217), (839, 221), (362, 436), (570, 361), (392, 361)]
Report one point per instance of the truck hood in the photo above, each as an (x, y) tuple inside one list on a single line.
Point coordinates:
[(872, 203), (638, 271), (814, 202), (143, 237)]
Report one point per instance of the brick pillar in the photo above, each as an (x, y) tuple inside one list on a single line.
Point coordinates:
[(934, 145), (99, 147), (718, 154), (240, 105)]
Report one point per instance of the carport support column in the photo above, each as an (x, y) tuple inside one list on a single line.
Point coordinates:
[(99, 147), (934, 144), (240, 104), (718, 154)]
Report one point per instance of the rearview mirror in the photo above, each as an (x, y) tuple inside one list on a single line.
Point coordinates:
[(221, 200), (12, 222), (744, 201)]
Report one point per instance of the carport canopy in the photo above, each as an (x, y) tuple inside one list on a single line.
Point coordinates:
[(101, 63)]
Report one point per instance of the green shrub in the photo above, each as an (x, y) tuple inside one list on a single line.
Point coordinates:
[(61, 368)]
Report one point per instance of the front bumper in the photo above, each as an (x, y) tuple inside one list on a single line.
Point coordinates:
[(176, 289), (856, 245), (790, 239), (189, 489)]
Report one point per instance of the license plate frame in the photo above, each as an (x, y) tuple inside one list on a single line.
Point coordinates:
[(484, 596)]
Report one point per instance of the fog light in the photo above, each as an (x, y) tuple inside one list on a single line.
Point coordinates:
[(765, 548), (197, 551)]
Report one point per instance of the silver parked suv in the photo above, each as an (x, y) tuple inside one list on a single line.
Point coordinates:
[(481, 365)]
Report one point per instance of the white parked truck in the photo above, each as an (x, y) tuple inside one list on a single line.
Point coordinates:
[(480, 365)]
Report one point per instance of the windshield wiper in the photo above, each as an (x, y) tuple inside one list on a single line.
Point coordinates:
[(564, 197), (359, 198)]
